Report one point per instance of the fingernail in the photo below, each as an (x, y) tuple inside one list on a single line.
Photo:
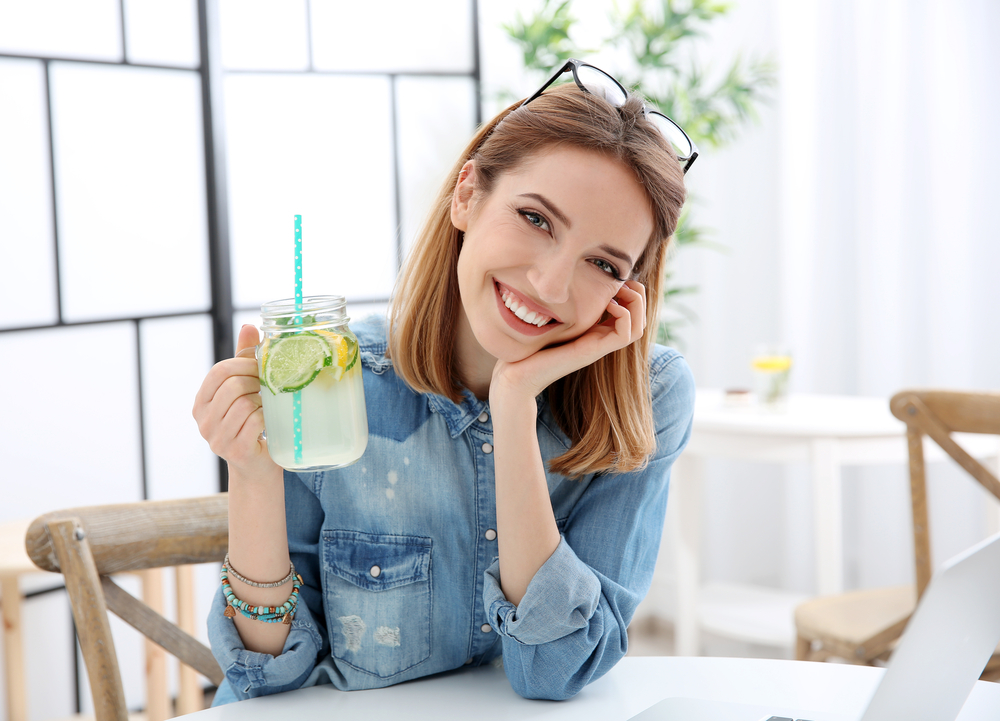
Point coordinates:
[(245, 325)]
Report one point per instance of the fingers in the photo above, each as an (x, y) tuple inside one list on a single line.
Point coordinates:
[(247, 340), (237, 417), (228, 401), (252, 427), (229, 394), (220, 421), (628, 308), (228, 409), (220, 372)]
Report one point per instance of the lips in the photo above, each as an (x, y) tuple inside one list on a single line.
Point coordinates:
[(523, 315)]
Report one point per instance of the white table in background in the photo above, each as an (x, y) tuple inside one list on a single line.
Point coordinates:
[(634, 685), (827, 432)]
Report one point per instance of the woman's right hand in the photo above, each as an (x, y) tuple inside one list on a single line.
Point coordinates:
[(228, 410)]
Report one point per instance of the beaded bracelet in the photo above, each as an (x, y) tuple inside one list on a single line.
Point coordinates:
[(268, 614), (273, 584)]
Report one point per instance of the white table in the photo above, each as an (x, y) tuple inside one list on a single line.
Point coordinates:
[(827, 432), (635, 684)]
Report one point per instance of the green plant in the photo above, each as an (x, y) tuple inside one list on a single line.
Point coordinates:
[(658, 37)]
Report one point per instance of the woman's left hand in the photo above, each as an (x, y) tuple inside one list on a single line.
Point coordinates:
[(623, 323)]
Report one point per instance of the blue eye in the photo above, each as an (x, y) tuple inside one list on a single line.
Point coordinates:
[(535, 219), (608, 268)]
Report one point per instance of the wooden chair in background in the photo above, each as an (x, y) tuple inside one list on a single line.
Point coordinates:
[(864, 626), (87, 545)]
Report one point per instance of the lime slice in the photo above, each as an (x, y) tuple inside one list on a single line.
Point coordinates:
[(353, 351), (293, 361), (344, 349)]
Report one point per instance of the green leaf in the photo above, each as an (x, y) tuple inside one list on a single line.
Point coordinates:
[(544, 37)]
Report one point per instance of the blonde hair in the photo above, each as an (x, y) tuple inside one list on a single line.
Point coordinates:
[(605, 408)]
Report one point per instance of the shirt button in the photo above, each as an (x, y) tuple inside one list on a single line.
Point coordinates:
[(487, 448), (375, 571), (468, 661), (483, 417), (485, 628), (491, 535)]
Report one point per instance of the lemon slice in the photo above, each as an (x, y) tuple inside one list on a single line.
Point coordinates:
[(344, 348), (772, 363), (292, 362)]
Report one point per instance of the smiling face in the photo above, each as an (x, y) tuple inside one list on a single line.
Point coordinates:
[(544, 253)]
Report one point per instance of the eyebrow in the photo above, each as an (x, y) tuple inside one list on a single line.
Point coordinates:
[(611, 250), (561, 217), (549, 206)]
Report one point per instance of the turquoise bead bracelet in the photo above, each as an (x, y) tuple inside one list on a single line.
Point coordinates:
[(268, 614)]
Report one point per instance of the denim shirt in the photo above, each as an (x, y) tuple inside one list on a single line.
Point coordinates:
[(398, 552)]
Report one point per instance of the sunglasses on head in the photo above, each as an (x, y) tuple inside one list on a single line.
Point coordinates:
[(597, 82)]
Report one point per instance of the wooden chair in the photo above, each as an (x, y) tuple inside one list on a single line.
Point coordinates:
[(864, 626), (87, 545)]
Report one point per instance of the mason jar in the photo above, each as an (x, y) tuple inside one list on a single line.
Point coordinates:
[(310, 383)]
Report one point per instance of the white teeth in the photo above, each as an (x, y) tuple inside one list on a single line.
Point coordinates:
[(521, 311)]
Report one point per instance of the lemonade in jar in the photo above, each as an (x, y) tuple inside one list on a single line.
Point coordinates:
[(310, 383), (772, 368)]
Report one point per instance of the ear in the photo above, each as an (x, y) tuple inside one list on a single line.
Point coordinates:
[(461, 199)]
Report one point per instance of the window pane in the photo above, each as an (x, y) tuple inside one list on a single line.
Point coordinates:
[(264, 34), (176, 356), (437, 118), (71, 426), (162, 32), (400, 35), (359, 311), (130, 191), (320, 147), (84, 29), (27, 257)]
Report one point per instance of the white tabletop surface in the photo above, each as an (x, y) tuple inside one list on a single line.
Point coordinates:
[(805, 414), (635, 684)]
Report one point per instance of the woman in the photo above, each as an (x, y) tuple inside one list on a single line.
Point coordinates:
[(522, 427)]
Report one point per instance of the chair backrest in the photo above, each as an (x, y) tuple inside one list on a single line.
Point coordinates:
[(938, 414), (89, 544)]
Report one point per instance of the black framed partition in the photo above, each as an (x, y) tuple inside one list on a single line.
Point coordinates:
[(151, 157)]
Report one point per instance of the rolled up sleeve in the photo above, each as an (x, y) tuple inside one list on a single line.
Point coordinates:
[(252, 674), (570, 627), (560, 599)]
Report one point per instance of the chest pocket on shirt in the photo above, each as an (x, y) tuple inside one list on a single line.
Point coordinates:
[(377, 593)]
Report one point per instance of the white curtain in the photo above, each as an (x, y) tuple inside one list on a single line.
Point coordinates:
[(860, 220)]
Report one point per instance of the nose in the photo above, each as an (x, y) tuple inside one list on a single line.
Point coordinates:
[(551, 276)]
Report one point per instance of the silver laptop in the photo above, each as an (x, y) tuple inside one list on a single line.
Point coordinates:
[(945, 648)]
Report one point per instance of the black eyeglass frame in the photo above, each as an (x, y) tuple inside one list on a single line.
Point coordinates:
[(573, 64)]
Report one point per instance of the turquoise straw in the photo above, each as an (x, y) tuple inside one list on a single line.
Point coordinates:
[(297, 395)]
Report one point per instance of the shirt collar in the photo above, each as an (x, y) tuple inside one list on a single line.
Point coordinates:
[(458, 416)]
